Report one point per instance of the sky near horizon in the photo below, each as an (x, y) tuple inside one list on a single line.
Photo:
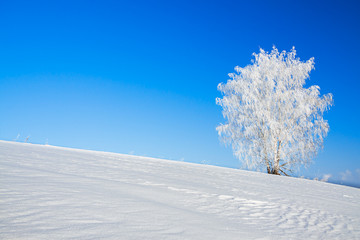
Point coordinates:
[(140, 77)]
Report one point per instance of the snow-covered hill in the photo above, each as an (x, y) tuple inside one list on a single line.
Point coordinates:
[(51, 192)]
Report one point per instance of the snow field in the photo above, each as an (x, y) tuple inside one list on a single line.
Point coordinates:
[(50, 192)]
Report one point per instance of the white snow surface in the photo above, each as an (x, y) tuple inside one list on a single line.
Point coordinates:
[(49, 192)]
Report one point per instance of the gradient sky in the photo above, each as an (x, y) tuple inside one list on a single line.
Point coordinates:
[(141, 77)]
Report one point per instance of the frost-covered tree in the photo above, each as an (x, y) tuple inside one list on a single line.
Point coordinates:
[(272, 120)]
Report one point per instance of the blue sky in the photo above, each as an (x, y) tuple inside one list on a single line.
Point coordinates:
[(141, 77)]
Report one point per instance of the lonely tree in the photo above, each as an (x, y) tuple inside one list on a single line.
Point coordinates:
[(272, 119)]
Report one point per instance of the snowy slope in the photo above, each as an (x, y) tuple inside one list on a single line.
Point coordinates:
[(50, 192)]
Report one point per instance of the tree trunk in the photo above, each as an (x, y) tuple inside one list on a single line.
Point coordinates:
[(268, 168), (276, 169)]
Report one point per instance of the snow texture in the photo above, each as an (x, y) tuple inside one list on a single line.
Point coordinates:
[(51, 192)]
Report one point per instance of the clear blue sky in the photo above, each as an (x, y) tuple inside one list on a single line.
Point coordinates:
[(141, 77)]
